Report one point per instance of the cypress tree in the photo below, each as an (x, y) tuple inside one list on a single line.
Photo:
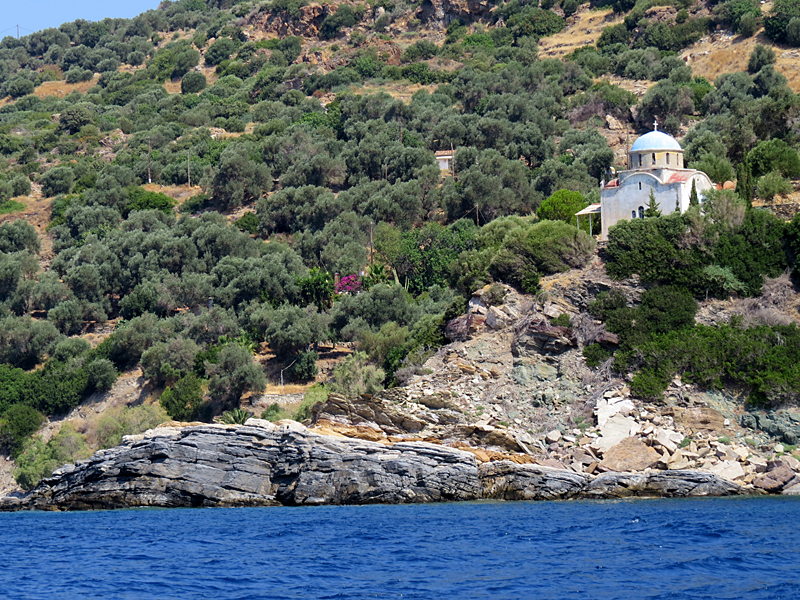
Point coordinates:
[(693, 199), (744, 182), (652, 209)]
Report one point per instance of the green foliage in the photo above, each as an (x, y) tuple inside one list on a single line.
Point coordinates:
[(343, 17), (193, 82), (39, 460), (141, 199), (595, 355), (273, 413), (184, 401), (220, 50), (19, 422), (760, 57), (305, 367), (652, 209), (562, 206), (773, 184), (774, 155), (118, 422), (317, 393), (237, 416), (248, 222), (546, 247), (355, 376), (317, 289), (11, 206), (57, 180), (234, 373)]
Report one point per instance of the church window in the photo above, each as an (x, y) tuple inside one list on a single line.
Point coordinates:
[(641, 212), (654, 158), (667, 157), (640, 186), (633, 214), (640, 160)]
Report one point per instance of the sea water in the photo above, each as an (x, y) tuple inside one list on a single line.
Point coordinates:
[(717, 548)]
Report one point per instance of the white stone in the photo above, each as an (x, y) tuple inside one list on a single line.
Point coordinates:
[(665, 438), (553, 436), (604, 410), (616, 429), (262, 423), (779, 449), (727, 469)]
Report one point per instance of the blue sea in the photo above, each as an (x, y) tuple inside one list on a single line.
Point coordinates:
[(595, 550)]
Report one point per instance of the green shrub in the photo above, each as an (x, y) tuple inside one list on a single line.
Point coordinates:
[(305, 366), (248, 222), (116, 423), (39, 460), (237, 416), (11, 206), (355, 376), (184, 401), (314, 395), (273, 413), (771, 185), (595, 354), (193, 82), (19, 422)]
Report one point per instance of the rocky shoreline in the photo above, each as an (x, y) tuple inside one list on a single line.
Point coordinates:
[(262, 464)]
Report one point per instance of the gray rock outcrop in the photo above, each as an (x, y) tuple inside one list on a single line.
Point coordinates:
[(263, 464)]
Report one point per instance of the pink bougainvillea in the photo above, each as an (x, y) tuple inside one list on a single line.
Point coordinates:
[(350, 284)]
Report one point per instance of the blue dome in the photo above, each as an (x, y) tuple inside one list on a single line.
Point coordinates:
[(655, 140)]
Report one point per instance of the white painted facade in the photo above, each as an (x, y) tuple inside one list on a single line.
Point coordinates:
[(655, 163)]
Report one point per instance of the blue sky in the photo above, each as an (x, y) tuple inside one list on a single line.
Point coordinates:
[(33, 15)]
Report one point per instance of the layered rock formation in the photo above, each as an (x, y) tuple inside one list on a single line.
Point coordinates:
[(263, 464)]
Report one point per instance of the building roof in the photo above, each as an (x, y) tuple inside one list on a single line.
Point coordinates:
[(681, 177), (592, 209), (655, 140), (444, 154)]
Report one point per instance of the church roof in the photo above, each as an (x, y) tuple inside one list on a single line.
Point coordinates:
[(655, 140)]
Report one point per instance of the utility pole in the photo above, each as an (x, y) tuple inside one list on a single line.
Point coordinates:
[(17, 31), (370, 243), (478, 215), (149, 178)]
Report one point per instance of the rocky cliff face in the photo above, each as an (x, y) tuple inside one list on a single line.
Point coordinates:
[(263, 464)]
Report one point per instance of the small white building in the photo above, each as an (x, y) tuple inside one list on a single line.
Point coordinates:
[(655, 163), (445, 159)]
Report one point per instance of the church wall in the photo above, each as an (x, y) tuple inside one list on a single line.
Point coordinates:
[(618, 203)]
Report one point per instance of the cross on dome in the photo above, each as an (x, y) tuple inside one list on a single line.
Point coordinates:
[(655, 124)]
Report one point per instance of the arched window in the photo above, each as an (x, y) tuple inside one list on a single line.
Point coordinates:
[(654, 158), (640, 186), (640, 160), (641, 212), (667, 157), (633, 214)]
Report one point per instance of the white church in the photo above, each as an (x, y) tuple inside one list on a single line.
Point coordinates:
[(655, 162)]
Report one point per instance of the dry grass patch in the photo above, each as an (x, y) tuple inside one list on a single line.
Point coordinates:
[(62, 88), (583, 29)]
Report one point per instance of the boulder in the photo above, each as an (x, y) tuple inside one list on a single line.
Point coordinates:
[(631, 454), (553, 436), (659, 484), (616, 429), (607, 408), (728, 469), (775, 479), (699, 418), (537, 336), (508, 481)]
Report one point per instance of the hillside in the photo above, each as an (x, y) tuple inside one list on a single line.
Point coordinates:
[(222, 205)]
